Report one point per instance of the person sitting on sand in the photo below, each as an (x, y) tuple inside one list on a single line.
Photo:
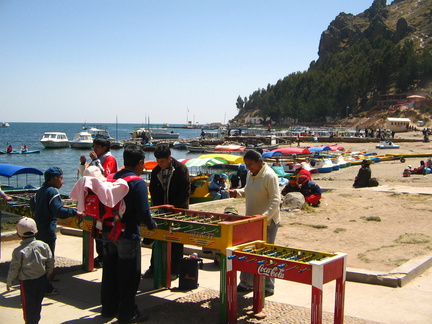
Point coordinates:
[(420, 169), (310, 190), (364, 176), (292, 186)]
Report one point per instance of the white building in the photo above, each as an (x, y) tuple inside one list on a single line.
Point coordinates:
[(398, 124)]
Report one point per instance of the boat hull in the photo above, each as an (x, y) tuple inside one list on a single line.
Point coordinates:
[(53, 144)]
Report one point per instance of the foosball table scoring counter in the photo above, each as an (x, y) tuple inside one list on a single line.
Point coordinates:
[(302, 266)]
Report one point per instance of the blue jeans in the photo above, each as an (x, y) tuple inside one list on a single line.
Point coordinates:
[(246, 279)]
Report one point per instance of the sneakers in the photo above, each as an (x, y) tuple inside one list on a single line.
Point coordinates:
[(53, 292)]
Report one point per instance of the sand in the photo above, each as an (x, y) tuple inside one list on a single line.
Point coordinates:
[(379, 228)]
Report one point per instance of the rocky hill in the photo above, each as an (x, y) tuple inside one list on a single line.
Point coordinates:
[(402, 20), (387, 49)]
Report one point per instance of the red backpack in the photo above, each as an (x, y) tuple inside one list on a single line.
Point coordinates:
[(96, 209)]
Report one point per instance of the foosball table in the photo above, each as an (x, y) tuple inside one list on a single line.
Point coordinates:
[(203, 229), (302, 266)]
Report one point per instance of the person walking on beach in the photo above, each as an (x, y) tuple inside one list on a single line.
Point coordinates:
[(169, 184), (107, 163), (122, 257), (262, 198), (32, 262), (47, 206)]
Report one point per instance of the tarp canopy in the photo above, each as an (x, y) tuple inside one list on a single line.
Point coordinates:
[(292, 150), (319, 148), (271, 154), (203, 162), (231, 158), (9, 170)]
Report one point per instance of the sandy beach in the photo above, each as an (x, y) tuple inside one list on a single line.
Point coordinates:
[(379, 228)]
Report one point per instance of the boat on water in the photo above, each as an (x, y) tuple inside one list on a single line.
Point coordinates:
[(82, 140), (22, 190), (20, 152), (97, 131), (55, 140), (154, 133), (4, 124), (387, 145), (181, 145)]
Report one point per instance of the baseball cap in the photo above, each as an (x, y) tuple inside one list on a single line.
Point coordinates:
[(297, 166), (231, 210), (52, 172), (26, 227)]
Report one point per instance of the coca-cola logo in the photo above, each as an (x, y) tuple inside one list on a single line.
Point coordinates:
[(274, 272)]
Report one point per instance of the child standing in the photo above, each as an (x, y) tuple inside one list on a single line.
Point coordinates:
[(32, 262)]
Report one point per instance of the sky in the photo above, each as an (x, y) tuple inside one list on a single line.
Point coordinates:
[(169, 61)]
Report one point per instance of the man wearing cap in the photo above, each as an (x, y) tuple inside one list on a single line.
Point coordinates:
[(31, 262), (47, 206), (300, 170)]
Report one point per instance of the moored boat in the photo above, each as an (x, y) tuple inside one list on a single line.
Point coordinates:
[(82, 140), (387, 145), (55, 140)]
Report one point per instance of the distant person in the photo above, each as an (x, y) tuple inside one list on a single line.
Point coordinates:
[(300, 170), (169, 184), (122, 258), (262, 196), (203, 134), (218, 187), (364, 176), (102, 158), (420, 169), (242, 172), (298, 141), (24, 148), (47, 206), (310, 190), (291, 186), (9, 149), (32, 262)]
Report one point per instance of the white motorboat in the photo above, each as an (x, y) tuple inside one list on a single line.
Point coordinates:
[(387, 145), (82, 140), (4, 124), (155, 133), (54, 140)]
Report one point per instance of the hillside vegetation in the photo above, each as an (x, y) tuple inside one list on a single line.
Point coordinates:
[(384, 50)]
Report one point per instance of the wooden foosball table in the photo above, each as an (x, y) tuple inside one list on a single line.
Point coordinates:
[(203, 229), (302, 266)]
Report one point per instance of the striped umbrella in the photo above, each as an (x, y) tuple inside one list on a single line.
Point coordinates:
[(203, 162)]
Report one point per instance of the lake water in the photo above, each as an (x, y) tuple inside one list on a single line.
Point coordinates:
[(67, 159)]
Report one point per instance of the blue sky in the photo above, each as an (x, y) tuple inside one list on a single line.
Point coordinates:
[(170, 61)]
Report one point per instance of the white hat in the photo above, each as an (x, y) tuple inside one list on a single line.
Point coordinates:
[(26, 227), (297, 166)]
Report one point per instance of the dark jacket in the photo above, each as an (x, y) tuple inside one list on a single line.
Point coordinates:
[(47, 206), (363, 177), (137, 207), (178, 186), (310, 188)]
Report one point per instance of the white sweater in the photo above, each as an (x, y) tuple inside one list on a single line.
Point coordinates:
[(262, 194)]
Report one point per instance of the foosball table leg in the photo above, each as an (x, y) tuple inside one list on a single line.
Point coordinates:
[(88, 251), (258, 293), (226, 293), (339, 300), (160, 263)]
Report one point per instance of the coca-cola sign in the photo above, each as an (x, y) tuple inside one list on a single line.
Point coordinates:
[(273, 271)]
